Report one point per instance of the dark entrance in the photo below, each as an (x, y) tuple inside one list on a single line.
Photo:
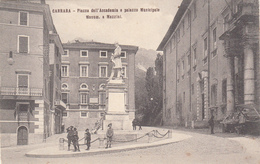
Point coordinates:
[(22, 136)]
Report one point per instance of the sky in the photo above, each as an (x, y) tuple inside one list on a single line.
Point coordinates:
[(142, 29)]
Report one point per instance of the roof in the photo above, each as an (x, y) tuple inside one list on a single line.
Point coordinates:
[(97, 45), (183, 7)]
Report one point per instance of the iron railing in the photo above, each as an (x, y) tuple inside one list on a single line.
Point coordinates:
[(20, 91)]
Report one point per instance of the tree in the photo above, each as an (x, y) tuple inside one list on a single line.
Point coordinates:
[(149, 93)]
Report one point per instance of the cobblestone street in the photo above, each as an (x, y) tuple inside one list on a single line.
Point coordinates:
[(201, 148)]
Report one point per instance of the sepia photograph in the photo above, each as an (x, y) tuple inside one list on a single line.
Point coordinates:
[(129, 81)]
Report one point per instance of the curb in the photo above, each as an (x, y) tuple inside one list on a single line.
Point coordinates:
[(107, 151)]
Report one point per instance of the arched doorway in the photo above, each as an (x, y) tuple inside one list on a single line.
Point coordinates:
[(22, 136)]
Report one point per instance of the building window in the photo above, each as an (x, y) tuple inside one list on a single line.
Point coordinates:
[(23, 84), (205, 50), (102, 98), (178, 72), (83, 98), (102, 86), (103, 54), (23, 44), (64, 71), (58, 70), (123, 54), (83, 114), (83, 53), (214, 38), (214, 53), (123, 71), (188, 62), (102, 71), (24, 108), (23, 18), (194, 58), (65, 97), (224, 91), (64, 114), (83, 86), (83, 71), (226, 22), (194, 10), (214, 95), (189, 22), (66, 53), (64, 86), (183, 69)]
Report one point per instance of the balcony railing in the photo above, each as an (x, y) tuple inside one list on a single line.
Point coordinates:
[(21, 91)]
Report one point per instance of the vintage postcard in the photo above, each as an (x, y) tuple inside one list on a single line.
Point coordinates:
[(128, 81)]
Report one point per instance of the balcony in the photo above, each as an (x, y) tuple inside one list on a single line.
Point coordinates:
[(60, 104), (13, 91)]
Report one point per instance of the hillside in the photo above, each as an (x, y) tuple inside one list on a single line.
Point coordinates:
[(145, 58)]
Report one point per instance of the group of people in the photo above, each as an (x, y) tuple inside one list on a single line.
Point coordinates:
[(135, 123), (73, 137)]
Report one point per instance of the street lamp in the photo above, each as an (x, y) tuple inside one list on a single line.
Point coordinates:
[(10, 60)]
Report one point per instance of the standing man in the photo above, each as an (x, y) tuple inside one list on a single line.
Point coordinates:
[(87, 138), (134, 122), (117, 64), (211, 124), (70, 136), (109, 134), (75, 140)]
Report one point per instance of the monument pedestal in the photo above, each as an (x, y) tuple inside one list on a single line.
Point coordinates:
[(116, 106)]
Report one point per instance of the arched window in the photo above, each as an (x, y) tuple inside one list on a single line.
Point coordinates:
[(64, 86), (83, 86), (102, 86)]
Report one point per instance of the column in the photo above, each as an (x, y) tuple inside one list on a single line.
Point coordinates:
[(230, 86), (249, 75)]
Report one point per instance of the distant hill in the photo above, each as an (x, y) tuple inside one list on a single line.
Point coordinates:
[(145, 58)]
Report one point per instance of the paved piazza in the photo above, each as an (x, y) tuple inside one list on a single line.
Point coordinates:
[(201, 148)]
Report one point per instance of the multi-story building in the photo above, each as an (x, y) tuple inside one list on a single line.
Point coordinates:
[(85, 69), (30, 58), (211, 60)]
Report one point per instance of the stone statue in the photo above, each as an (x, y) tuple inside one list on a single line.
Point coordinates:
[(117, 64)]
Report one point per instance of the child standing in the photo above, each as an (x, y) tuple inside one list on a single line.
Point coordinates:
[(109, 135)]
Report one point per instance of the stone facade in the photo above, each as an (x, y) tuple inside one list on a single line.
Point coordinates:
[(211, 60), (86, 67), (26, 105)]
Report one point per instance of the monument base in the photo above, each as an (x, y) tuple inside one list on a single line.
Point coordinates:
[(120, 121), (117, 113)]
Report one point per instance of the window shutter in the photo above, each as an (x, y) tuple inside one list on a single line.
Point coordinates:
[(22, 81), (23, 44), (23, 18)]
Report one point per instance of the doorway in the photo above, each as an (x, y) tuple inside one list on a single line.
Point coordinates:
[(22, 136)]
